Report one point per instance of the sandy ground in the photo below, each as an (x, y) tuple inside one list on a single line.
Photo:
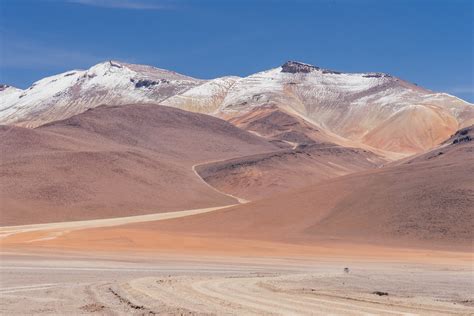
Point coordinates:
[(169, 285), (117, 270)]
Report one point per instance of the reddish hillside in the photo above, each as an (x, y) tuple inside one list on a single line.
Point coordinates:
[(257, 176), (115, 161), (427, 201)]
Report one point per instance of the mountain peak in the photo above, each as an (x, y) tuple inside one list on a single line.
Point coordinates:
[(128, 69), (4, 87), (297, 67), (113, 64), (294, 67)]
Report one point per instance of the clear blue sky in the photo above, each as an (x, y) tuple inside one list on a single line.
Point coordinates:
[(426, 42)]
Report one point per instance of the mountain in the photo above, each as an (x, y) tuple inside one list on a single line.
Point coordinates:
[(424, 201), (115, 161), (73, 92), (365, 108), (375, 111)]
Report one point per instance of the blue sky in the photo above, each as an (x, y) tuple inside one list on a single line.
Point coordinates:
[(429, 42)]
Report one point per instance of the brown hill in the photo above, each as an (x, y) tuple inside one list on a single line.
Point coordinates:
[(427, 201), (257, 176), (309, 155), (115, 161), (280, 126)]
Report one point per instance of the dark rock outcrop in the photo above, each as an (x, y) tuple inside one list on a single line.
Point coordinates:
[(463, 135), (4, 87), (297, 67), (376, 75)]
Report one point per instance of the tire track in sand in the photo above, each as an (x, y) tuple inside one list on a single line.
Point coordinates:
[(249, 296), (53, 230)]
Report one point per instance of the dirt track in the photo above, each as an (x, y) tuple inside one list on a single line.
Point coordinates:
[(215, 286), (52, 230), (240, 200)]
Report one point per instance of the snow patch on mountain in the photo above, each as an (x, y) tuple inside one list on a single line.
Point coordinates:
[(353, 106), (66, 94), (205, 98)]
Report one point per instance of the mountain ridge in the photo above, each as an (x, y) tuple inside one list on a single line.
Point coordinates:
[(358, 107)]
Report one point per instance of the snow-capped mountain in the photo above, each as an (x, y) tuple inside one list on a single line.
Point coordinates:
[(375, 110), (73, 92)]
